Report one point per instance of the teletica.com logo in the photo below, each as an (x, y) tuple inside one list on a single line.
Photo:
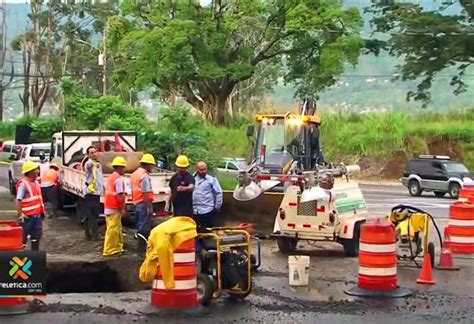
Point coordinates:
[(20, 268)]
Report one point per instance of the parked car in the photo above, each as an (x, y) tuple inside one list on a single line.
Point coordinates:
[(9, 149), (229, 166), (37, 152), (438, 174)]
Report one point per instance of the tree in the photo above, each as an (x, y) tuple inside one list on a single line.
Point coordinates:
[(4, 84), (429, 42), (203, 53)]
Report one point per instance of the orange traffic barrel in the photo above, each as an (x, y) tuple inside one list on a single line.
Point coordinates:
[(11, 239), (461, 228), (184, 294), (378, 262), (467, 194)]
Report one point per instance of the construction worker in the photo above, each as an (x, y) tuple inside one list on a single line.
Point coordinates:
[(49, 189), (182, 186), (142, 197), (114, 208), (29, 205), (207, 197), (93, 189)]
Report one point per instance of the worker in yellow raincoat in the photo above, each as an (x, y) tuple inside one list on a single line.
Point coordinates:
[(164, 239), (114, 208)]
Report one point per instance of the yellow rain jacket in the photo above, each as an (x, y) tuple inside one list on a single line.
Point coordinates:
[(164, 239)]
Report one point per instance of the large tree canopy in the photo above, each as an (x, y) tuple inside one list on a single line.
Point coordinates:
[(202, 53), (428, 41)]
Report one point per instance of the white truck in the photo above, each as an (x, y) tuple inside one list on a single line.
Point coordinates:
[(68, 151), (36, 152)]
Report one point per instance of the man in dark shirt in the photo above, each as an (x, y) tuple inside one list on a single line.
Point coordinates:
[(182, 186)]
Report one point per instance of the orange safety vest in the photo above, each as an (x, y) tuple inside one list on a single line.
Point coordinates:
[(32, 204), (110, 199), (136, 182), (50, 177)]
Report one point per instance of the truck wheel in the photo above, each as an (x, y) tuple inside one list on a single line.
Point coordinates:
[(414, 188), (204, 289), (11, 184), (454, 189), (351, 246), (287, 244)]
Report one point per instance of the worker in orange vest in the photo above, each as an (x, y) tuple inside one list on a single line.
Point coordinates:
[(49, 189), (142, 197), (29, 205), (114, 208)]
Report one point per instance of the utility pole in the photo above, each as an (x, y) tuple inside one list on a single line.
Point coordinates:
[(104, 62)]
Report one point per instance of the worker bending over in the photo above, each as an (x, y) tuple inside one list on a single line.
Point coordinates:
[(142, 197), (207, 197), (114, 208), (29, 205), (49, 189), (94, 188), (182, 186)]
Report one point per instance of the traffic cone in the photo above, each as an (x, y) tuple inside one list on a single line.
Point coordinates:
[(426, 274), (446, 261)]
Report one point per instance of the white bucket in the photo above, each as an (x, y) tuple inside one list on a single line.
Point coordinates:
[(299, 270)]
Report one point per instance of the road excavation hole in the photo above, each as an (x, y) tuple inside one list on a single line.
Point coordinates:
[(83, 277)]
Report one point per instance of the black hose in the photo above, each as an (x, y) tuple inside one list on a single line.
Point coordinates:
[(415, 209)]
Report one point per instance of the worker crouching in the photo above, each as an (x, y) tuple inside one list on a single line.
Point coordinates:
[(142, 197), (29, 205), (114, 208)]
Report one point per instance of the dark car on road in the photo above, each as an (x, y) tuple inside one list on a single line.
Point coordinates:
[(438, 174)]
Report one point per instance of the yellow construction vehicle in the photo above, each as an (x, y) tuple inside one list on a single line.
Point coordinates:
[(287, 158)]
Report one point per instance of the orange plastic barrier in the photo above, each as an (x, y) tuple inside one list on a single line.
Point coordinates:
[(461, 228), (11, 239), (184, 295), (378, 262), (467, 194)]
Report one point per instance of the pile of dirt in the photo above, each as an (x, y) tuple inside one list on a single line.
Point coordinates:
[(396, 166), (439, 145)]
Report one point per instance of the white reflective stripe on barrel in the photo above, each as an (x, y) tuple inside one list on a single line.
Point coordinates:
[(461, 239), (378, 271), (377, 248), (184, 257), (178, 284), (463, 199), (461, 222)]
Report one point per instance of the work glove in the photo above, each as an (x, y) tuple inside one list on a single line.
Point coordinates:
[(21, 220)]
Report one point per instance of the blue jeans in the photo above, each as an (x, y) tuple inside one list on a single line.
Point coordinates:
[(33, 226), (143, 220)]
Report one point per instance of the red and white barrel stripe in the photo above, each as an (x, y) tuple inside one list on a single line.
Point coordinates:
[(184, 293)]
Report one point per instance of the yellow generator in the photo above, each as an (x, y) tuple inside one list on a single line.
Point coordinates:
[(412, 230)]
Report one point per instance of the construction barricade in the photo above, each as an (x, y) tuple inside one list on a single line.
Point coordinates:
[(461, 227), (11, 239), (467, 194), (378, 262), (184, 294)]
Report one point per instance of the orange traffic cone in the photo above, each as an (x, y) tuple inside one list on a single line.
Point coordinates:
[(426, 274), (446, 258)]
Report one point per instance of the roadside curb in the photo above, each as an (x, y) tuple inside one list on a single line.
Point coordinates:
[(388, 183)]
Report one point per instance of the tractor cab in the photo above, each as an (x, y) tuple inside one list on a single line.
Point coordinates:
[(286, 138)]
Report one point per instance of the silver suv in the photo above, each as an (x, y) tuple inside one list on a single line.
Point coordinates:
[(436, 173)]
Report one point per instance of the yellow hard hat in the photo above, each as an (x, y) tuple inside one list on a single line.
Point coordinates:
[(119, 161), (182, 161), (53, 165), (29, 166), (148, 159)]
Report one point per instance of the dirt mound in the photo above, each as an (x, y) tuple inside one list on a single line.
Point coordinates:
[(439, 145), (396, 166)]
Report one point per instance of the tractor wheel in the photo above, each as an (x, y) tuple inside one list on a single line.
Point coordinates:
[(287, 244)]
